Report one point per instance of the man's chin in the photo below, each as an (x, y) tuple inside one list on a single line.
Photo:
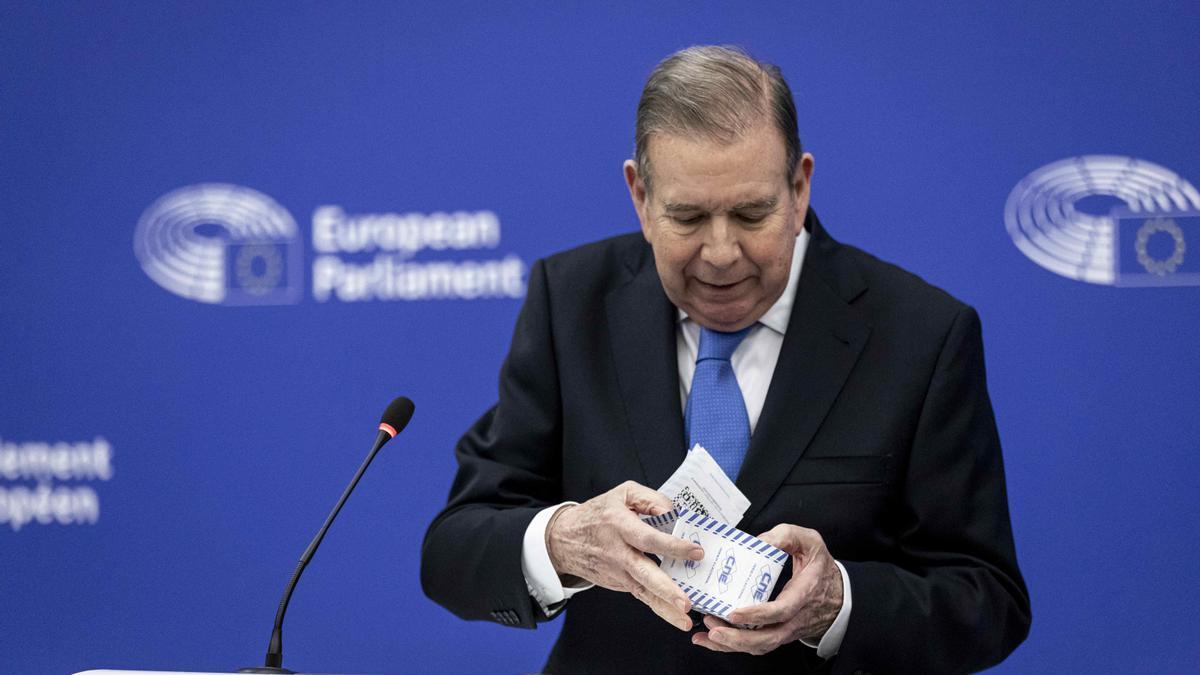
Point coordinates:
[(724, 319)]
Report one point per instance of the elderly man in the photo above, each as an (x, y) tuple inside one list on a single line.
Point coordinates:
[(846, 396)]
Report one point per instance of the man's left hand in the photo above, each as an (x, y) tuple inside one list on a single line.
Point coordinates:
[(804, 609)]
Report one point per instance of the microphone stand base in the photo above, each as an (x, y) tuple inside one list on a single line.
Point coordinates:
[(267, 669)]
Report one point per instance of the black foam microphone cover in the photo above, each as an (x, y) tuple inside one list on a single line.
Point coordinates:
[(398, 413)]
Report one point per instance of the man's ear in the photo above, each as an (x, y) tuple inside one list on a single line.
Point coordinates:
[(801, 188), (637, 193)]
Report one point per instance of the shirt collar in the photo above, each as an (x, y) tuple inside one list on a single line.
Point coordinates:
[(777, 317)]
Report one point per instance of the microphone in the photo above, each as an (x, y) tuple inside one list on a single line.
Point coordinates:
[(393, 421)]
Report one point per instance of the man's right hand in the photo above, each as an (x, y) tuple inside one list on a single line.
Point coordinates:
[(604, 541)]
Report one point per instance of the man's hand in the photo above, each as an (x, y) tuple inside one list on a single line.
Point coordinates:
[(804, 609), (602, 541)]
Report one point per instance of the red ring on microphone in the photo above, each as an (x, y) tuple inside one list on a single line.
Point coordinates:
[(387, 428)]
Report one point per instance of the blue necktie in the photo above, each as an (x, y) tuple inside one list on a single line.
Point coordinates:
[(716, 413)]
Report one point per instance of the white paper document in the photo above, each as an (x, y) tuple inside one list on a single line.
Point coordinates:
[(701, 486)]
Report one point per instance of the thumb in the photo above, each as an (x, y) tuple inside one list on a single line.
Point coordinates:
[(794, 539), (643, 500)]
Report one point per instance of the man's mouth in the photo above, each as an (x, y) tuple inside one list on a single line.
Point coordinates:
[(719, 287)]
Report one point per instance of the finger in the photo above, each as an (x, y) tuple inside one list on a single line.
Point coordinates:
[(794, 539), (749, 641), (652, 578), (665, 610), (649, 540), (642, 499), (711, 622), (703, 640)]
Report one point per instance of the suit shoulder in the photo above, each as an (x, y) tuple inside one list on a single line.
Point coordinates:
[(897, 294), (599, 266)]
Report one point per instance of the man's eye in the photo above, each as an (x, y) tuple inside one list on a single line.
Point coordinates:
[(690, 220), (751, 217)]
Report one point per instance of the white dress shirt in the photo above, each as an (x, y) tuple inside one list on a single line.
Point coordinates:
[(753, 364)]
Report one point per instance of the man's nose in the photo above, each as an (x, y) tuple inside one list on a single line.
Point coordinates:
[(721, 248)]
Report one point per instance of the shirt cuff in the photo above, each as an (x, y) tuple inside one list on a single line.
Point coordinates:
[(541, 579), (831, 641)]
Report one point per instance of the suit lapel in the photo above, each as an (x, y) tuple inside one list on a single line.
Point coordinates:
[(641, 325), (824, 338)]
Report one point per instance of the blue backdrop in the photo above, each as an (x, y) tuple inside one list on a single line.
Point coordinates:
[(164, 460)]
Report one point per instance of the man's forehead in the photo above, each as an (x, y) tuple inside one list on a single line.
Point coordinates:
[(718, 193), (714, 174)]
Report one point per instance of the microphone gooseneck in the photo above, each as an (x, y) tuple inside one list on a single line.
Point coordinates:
[(392, 422)]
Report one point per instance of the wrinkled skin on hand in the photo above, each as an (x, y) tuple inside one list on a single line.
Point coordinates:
[(804, 609), (603, 541)]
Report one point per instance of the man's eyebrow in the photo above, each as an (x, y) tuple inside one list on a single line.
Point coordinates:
[(680, 206), (764, 204)]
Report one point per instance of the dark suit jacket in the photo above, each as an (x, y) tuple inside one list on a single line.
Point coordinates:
[(877, 432)]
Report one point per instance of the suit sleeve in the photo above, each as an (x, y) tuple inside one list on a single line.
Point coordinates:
[(509, 468), (953, 599)]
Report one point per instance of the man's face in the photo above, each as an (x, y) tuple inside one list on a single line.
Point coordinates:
[(722, 220)]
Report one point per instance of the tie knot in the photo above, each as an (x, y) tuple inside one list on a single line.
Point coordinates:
[(717, 345)]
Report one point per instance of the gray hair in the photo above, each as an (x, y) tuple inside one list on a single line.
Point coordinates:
[(718, 92)]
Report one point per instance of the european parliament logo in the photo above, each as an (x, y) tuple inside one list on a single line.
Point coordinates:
[(221, 244), (1107, 219), (231, 245)]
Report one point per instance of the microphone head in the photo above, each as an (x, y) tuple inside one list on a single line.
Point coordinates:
[(397, 415)]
